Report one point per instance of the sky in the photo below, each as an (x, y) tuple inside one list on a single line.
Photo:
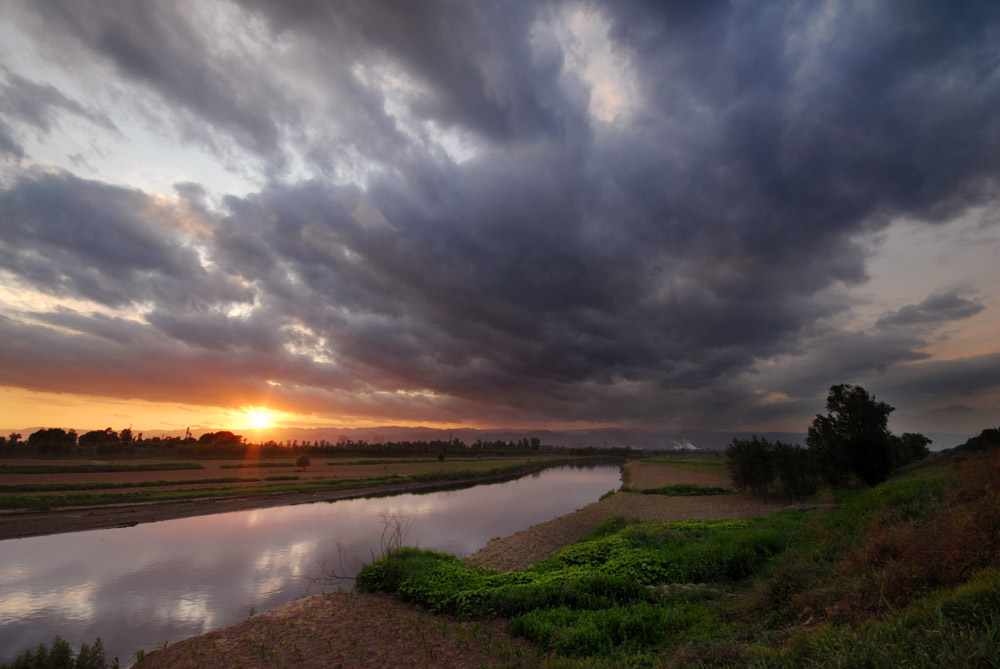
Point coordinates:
[(653, 215)]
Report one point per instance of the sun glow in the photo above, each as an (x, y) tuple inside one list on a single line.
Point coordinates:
[(259, 418)]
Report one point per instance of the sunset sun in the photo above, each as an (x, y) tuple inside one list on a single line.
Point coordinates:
[(260, 419)]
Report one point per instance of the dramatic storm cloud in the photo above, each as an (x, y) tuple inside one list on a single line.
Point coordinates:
[(552, 213)]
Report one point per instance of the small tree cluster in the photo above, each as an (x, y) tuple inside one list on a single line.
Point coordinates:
[(755, 465), (853, 438)]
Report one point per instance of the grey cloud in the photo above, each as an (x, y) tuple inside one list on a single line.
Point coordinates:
[(9, 145), (39, 105), (474, 58), (77, 238), (938, 308), (572, 270), (940, 380)]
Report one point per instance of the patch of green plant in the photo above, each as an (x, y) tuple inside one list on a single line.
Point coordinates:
[(681, 490), (281, 478), (606, 527), (98, 468), (612, 594)]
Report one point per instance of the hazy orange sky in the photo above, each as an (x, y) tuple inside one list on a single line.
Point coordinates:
[(222, 215)]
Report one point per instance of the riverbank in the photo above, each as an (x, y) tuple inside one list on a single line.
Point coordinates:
[(18, 524), (348, 629)]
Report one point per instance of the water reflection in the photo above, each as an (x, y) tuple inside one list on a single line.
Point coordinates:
[(137, 587)]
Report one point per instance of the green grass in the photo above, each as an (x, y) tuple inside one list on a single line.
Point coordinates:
[(602, 596), (98, 468)]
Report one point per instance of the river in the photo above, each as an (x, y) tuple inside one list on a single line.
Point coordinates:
[(141, 586)]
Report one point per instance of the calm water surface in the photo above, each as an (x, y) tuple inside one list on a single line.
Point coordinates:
[(139, 586)]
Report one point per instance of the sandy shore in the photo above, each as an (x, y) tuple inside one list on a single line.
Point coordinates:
[(346, 629)]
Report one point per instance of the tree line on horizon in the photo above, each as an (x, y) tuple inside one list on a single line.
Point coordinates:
[(59, 442)]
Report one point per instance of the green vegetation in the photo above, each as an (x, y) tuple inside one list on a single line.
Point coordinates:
[(903, 574)]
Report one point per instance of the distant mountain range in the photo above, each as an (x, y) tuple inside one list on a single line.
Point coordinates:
[(681, 440)]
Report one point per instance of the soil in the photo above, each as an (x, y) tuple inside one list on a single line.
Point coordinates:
[(354, 630), (346, 629)]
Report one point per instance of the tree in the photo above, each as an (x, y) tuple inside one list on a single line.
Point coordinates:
[(909, 447), (105, 442), (303, 461), (55, 440), (796, 469), (751, 465), (853, 438)]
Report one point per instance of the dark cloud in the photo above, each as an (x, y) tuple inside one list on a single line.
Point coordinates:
[(571, 269), (938, 308), (116, 246)]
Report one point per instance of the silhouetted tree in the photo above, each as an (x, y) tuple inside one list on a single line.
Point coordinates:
[(303, 461), (909, 447), (751, 465), (796, 469), (985, 440), (853, 438), (53, 440), (221, 438), (104, 442)]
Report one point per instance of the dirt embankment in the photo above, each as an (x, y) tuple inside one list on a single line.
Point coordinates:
[(347, 630)]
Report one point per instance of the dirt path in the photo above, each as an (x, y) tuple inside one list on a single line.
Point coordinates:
[(348, 630)]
